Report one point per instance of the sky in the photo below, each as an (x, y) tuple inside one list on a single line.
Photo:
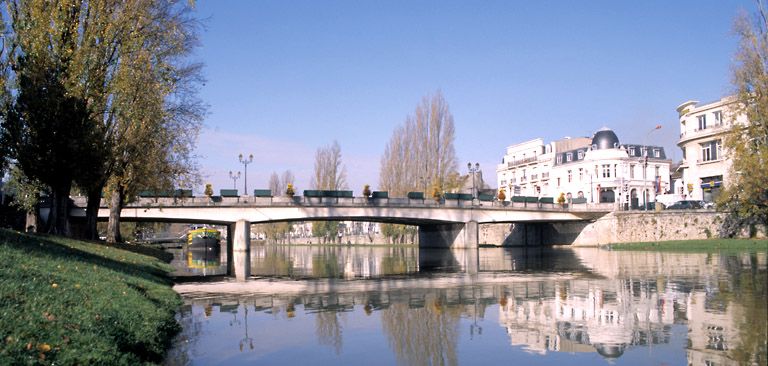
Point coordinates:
[(285, 78)]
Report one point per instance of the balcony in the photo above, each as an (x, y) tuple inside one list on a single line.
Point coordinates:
[(709, 130)]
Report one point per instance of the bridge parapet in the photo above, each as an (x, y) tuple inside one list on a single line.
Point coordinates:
[(250, 201)]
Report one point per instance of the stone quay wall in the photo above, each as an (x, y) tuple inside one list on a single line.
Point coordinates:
[(615, 227)]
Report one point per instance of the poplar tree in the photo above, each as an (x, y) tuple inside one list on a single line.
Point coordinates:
[(329, 174), (746, 196), (420, 156)]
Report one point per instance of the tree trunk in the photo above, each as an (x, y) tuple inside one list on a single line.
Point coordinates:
[(59, 217), (92, 213), (113, 226)]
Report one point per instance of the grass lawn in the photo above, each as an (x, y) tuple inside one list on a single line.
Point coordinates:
[(696, 245), (64, 301)]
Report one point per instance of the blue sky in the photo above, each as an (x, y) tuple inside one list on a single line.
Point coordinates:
[(287, 77)]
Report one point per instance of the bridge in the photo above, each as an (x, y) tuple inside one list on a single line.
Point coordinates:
[(445, 223)]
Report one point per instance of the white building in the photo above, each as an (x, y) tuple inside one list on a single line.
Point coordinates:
[(597, 169), (702, 130)]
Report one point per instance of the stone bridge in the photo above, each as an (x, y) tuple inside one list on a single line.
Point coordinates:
[(446, 224)]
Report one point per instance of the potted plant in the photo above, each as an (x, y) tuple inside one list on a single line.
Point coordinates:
[(436, 194), (208, 191), (561, 199), (290, 190), (502, 196), (366, 191)]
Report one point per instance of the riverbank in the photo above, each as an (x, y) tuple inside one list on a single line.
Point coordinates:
[(65, 301), (695, 245)]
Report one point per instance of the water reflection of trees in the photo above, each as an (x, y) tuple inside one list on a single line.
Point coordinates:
[(424, 335)]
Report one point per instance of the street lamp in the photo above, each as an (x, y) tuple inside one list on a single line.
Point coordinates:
[(234, 178), (473, 171), (644, 161), (245, 165)]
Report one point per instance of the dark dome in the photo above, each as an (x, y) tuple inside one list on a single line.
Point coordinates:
[(610, 350), (605, 139)]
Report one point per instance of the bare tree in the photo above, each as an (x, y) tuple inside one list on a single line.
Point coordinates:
[(420, 154), (330, 173)]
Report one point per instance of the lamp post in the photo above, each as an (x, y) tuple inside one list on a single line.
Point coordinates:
[(234, 178), (245, 163), (473, 171)]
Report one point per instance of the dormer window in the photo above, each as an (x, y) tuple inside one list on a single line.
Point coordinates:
[(656, 153), (631, 151), (559, 159), (581, 155), (594, 146), (568, 156)]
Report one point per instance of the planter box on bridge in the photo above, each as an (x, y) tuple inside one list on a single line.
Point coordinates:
[(380, 194), (485, 197), (228, 193), (416, 195), (579, 201), (262, 193)]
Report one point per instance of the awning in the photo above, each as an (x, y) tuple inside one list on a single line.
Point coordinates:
[(711, 184)]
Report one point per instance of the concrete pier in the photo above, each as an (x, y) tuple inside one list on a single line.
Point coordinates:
[(241, 250)]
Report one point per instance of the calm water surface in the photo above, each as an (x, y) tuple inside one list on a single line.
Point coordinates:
[(387, 305)]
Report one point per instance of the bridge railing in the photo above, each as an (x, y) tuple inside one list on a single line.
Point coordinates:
[(517, 204)]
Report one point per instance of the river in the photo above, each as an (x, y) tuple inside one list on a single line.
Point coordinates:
[(388, 305)]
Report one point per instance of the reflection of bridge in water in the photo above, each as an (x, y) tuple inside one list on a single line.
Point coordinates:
[(571, 307), (451, 224)]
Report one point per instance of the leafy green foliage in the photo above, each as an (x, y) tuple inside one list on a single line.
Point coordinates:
[(70, 302), (746, 196)]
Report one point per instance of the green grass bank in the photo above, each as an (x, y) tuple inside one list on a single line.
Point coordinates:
[(702, 245), (64, 301)]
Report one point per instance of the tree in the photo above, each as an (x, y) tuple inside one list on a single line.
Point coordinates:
[(278, 186), (420, 155), (123, 64), (420, 152), (746, 196), (46, 127), (330, 174)]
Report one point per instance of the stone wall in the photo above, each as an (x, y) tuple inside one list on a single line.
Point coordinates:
[(615, 227)]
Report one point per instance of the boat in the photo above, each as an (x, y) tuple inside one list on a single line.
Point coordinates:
[(203, 238)]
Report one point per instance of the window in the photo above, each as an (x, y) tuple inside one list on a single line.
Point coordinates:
[(615, 170), (719, 149), (656, 170), (706, 152), (606, 170), (568, 156), (643, 151), (581, 174), (558, 181), (683, 153), (656, 153), (702, 121), (581, 155), (631, 151), (559, 159), (631, 171), (503, 183), (570, 176), (718, 118)]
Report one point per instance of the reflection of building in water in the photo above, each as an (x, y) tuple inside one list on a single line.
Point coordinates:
[(636, 307), (566, 316)]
